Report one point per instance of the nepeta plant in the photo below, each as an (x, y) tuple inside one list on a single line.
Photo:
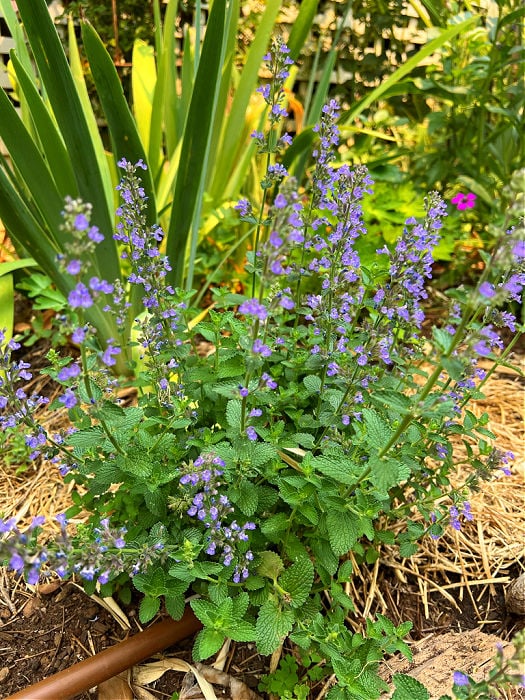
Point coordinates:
[(322, 412)]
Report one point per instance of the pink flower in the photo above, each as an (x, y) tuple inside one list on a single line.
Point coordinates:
[(464, 201)]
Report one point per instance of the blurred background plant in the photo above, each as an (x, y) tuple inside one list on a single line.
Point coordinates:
[(433, 97)]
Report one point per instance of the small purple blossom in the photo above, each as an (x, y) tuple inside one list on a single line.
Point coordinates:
[(461, 679), (260, 348), (251, 433), (252, 307), (244, 207), (95, 235), (81, 222), (68, 398), (73, 267), (79, 335), (466, 512), (268, 381), (487, 290), (110, 353), (454, 518), (287, 303), (79, 297), (441, 451), (69, 372)]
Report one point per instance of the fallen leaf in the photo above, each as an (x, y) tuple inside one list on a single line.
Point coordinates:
[(4, 672), (238, 690), (32, 605), (148, 673), (143, 694), (116, 688), (48, 588), (222, 656)]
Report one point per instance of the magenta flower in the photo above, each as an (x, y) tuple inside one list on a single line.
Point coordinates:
[(464, 201)]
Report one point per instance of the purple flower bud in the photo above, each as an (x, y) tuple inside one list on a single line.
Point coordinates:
[(68, 399), (487, 290), (69, 372), (73, 267), (252, 307), (460, 679), (79, 297), (251, 433), (81, 222), (95, 235)]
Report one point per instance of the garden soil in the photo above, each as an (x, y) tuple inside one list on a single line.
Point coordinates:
[(453, 591)]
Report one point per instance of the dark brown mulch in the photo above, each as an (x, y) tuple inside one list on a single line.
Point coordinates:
[(44, 633)]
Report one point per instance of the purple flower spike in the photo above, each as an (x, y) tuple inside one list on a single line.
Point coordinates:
[(252, 307)]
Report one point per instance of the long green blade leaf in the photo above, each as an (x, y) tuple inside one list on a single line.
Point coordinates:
[(301, 27), (67, 108), (24, 229), (234, 141), (196, 140), (7, 303), (51, 143), (122, 128), (77, 71), (8, 267), (29, 163), (143, 81)]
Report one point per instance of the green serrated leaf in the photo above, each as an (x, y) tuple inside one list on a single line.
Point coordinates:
[(275, 526), (297, 582), (125, 419), (384, 474), (305, 440), (205, 610), (313, 383), (234, 413), (148, 608), (342, 531), (273, 624), (207, 643), (175, 606), (407, 549), (261, 453), (137, 464), (271, 565), (346, 571), (152, 583), (324, 555), (242, 631), (246, 497), (341, 469), (408, 688), (378, 432), (85, 439), (391, 400), (240, 605)]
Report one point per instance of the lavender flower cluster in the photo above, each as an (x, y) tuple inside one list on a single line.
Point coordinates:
[(212, 508), (101, 554)]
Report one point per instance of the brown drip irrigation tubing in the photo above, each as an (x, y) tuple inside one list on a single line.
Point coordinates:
[(110, 662)]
